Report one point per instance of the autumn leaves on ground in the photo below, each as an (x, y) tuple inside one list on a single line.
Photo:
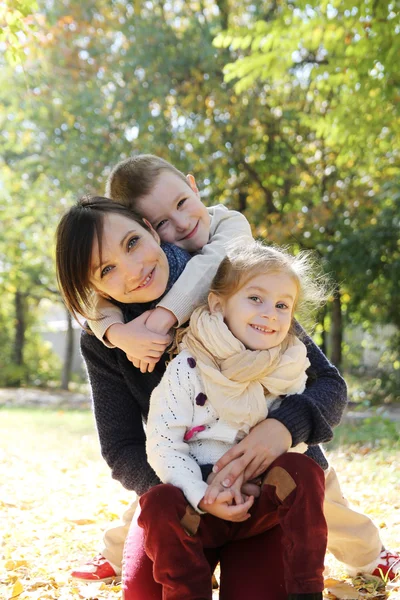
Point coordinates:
[(57, 495)]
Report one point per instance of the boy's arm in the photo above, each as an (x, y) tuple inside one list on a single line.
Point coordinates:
[(193, 285), (110, 315), (170, 416), (135, 339)]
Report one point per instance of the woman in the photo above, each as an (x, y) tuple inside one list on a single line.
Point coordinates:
[(103, 247)]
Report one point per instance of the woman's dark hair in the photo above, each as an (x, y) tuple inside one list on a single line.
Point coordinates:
[(81, 225)]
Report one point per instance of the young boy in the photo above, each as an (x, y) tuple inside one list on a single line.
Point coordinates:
[(171, 203)]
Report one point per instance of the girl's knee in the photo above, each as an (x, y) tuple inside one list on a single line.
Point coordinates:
[(292, 470), (159, 501)]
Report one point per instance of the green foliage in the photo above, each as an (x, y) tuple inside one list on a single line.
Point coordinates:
[(16, 23), (291, 115), (375, 431)]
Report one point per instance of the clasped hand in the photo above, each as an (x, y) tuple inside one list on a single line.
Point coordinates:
[(229, 504), (232, 486)]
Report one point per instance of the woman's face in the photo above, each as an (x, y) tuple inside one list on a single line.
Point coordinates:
[(132, 267)]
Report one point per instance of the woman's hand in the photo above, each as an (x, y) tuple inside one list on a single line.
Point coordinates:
[(254, 454)]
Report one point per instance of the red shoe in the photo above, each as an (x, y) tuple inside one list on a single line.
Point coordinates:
[(389, 565), (97, 569)]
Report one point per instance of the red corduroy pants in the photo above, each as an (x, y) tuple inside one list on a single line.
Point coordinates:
[(177, 538)]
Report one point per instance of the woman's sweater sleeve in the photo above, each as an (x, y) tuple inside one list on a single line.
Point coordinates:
[(310, 416), (118, 418), (170, 417)]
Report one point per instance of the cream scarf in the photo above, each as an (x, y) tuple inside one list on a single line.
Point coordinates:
[(242, 384)]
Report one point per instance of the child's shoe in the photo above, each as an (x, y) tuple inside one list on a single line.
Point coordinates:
[(97, 569), (317, 596), (389, 565)]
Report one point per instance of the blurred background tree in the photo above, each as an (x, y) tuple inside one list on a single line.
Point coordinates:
[(287, 111)]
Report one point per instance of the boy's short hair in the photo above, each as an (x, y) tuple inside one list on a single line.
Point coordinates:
[(135, 177)]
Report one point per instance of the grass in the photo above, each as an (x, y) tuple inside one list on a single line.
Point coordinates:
[(57, 496)]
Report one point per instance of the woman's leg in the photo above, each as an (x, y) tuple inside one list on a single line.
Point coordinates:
[(253, 568)]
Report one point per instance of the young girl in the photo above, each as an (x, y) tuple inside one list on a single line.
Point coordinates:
[(238, 358)]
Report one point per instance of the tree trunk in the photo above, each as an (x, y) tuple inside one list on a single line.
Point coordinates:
[(20, 326), (336, 330), (321, 320), (68, 355), (242, 201)]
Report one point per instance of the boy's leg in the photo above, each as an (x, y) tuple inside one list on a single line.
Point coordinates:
[(253, 568), (292, 495), (115, 536), (106, 566), (353, 538), (174, 538)]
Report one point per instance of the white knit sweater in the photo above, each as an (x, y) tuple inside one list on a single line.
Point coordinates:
[(178, 405)]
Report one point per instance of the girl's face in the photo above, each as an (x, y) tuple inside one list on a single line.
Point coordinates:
[(132, 268), (260, 313)]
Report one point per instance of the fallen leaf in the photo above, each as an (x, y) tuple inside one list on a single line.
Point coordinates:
[(10, 565), (341, 589), (82, 521), (17, 589)]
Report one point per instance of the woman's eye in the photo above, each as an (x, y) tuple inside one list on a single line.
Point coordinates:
[(106, 270), (132, 242), (181, 202), (161, 223)]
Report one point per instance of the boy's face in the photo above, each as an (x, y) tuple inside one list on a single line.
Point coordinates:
[(176, 212)]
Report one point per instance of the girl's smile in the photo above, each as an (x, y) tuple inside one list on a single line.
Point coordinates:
[(260, 313)]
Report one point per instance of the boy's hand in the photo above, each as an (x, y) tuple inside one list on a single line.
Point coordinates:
[(160, 321), (224, 509), (254, 454), (137, 341)]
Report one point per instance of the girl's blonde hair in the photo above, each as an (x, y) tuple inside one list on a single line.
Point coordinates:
[(244, 262), (248, 260)]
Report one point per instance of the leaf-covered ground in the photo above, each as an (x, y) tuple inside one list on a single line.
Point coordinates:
[(57, 495)]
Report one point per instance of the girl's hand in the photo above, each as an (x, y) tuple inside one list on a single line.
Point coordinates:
[(216, 488), (224, 509), (254, 454)]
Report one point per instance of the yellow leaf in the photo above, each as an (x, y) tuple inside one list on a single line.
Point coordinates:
[(10, 565), (341, 589), (81, 521), (17, 590)]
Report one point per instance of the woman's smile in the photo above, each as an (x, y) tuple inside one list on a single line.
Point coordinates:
[(129, 266)]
